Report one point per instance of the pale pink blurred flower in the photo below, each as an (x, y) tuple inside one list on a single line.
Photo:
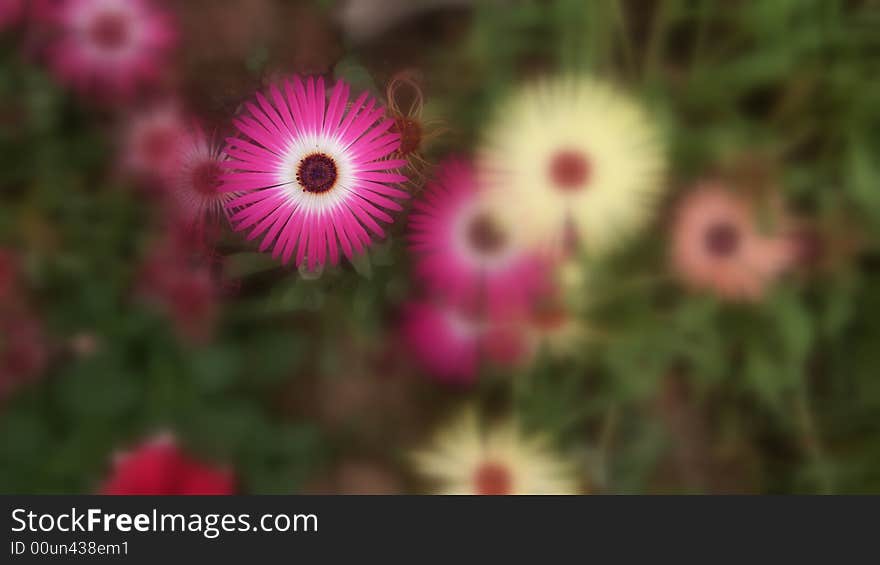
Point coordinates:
[(450, 345), (465, 254), (154, 142), (110, 48), (194, 182), (314, 172), (719, 244)]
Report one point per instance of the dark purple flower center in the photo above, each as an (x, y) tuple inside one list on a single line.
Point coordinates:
[(722, 239), (206, 178), (492, 478), (316, 173), (570, 170), (110, 30), (484, 235)]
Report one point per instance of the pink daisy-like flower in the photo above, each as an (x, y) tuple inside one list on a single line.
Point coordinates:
[(110, 47), (194, 183), (154, 142), (465, 254), (450, 344), (313, 173), (719, 244)]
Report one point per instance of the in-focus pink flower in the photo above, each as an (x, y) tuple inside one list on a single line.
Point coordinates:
[(464, 254), (24, 352), (313, 172), (110, 47), (154, 143), (10, 13), (450, 345), (194, 183), (719, 244), (159, 466)]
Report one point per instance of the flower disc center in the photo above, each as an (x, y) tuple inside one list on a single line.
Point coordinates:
[(206, 178), (722, 239), (492, 478), (110, 31), (484, 235), (317, 173), (570, 170)]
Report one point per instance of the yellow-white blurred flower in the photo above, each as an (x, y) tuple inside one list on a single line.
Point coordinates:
[(574, 156), (469, 458)]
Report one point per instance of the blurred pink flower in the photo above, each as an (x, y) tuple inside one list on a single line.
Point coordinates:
[(182, 281), (24, 352), (159, 466), (10, 13), (194, 182), (43, 11), (313, 173), (450, 344), (110, 47), (154, 143), (465, 255), (718, 244), (8, 278)]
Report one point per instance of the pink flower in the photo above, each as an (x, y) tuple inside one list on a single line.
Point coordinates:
[(159, 467), (10, 13), (24, 352), (110, 47), (194, 182), (718, 244), (8, 278), (465, 255), (450, 344), (181, 281), (313, 173), (154, 143), (44, 11)]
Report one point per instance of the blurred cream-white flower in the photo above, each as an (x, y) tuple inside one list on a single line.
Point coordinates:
[(468, 457), (574, 156)]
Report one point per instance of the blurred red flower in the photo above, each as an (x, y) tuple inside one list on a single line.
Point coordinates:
[(159, 466)]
